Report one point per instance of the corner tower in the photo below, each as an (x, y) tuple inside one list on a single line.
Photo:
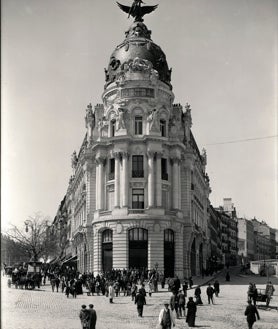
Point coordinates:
[(138, 196)]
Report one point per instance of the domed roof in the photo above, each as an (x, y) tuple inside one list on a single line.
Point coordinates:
[(138, 44)]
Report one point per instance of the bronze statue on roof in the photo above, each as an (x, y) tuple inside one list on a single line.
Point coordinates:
[(136, 10)]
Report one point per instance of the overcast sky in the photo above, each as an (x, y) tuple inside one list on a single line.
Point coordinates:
[(224, 59)]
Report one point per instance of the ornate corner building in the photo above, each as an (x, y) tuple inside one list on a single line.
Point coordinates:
[(139, 193)]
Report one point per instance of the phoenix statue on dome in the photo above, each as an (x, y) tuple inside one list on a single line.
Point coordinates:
[(136, 10)]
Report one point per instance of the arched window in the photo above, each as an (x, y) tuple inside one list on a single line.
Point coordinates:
[(107, 250)]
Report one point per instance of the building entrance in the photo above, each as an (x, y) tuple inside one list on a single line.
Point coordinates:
[(107, 250), (193, 258), (169, 253), (138, 248)]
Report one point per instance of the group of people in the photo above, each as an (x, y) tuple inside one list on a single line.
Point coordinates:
[(88, 317), (211, 290)]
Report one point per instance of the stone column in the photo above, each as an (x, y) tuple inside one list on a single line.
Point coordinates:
[(158, 180), (117, 180), (125, 181), (150, 179), (176, 182), (100, 184)]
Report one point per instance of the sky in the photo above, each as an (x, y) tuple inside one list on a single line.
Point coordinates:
[(223, 56)]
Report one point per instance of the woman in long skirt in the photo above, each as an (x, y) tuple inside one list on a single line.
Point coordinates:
[(191, 312)]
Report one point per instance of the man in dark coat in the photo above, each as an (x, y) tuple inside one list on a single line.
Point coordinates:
[(140, 300), (84, 317), (191, 312), (210, 292), (93, 316), (251, 312), (216, 288)]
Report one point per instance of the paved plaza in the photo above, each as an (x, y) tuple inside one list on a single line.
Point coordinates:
[(44, 309)]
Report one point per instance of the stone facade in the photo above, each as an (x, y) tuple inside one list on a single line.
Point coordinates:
[(139, 191)]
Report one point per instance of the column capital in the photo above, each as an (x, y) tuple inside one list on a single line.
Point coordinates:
[(125, 155), (117, 155), (150, 154), (158, 155), (100, 160), (175, 160)]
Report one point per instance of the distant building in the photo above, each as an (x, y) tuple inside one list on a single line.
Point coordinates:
[(246, 240), (215, 243), (229, 232), (265, 240)]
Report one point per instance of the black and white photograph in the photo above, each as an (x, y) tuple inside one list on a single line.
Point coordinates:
[(139, 164)]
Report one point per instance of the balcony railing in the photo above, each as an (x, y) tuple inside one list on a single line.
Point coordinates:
[(136, 211), (137, 173)]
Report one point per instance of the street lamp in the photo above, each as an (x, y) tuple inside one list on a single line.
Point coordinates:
[(28, 223)]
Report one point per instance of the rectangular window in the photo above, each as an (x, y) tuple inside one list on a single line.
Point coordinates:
[(163, 128), (111, 169), (138, 125), (138, 198), (137, 166), (164, 171), (113, 128)]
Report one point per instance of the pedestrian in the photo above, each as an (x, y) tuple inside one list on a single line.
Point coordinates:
[(197, 294), (185, 287), (251, 312), (63, 286), (181, 299), (151, 288), (166, 317), (53, 283), (210, 292), (140, 300), (255, 294), (57, 283), (84, 317), (190, 282), (269, 290), (93, 317), (133, 291), (191, 312), (228, 276), (216, 288), (111, 293), (143, 290), (174, 303)]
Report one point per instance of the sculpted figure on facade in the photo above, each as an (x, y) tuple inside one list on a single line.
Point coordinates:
[(90, 117), (120, 119), (153, 121), (102, 124), (187, 120), (139, 64), (74, 160)]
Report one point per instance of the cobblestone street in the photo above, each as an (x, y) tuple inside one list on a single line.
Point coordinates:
[(27, 309)]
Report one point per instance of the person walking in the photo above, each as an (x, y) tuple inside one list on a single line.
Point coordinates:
[(93, 317), (210, 292), (166, 317), (111, 292), (251, 312), (174, 303), (140, 300), (198, 296), (216, 288), (191, 312), (84, 317), (181, 299)]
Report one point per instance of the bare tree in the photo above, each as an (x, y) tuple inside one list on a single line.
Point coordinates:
[(36, 237)]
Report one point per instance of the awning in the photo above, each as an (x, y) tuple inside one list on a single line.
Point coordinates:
[(71, 259), (53, 260)]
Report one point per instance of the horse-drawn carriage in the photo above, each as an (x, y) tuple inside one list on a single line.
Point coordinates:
[(263, 296), (27, 278)]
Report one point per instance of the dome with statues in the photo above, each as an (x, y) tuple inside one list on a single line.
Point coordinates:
[(138, 46)]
